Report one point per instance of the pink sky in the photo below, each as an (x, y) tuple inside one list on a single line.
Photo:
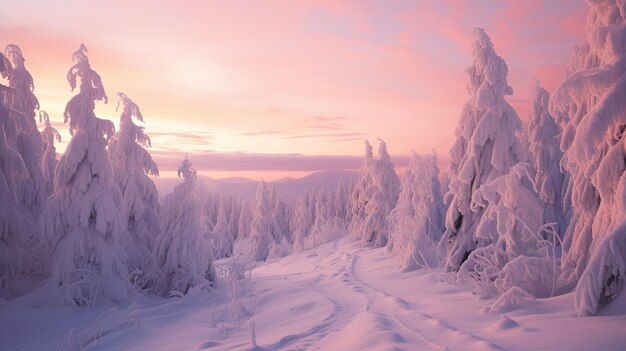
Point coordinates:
[(266, 89)]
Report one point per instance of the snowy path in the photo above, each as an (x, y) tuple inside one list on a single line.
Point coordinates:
[(375, 319), (336, 297)]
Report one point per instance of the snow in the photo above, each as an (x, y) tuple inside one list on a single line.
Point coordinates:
[(338, 296)]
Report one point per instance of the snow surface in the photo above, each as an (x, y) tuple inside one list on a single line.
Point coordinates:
[(338, 296)]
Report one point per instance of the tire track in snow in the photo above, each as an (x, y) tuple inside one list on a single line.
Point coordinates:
[(338, 319), (393, 302), (399, 303)]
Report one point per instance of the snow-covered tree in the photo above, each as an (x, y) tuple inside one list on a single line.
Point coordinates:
[(131, 165), (183, 251), (233, 218), (512, 224), (374, 197), (340, 202), (29, 142), (418, 218), (282, 215), (362, 189), (326, 227), (544, 138), (12, 221), (257, 245), (49, 159), (223, 234), (82, 220), (486, 147), (243, 223), (591, 102), (303, 219), (211, 205)]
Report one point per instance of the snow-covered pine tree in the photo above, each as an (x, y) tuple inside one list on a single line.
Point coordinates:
[(49, 159), (243, 222), (389, 185), (278, 218), (340, 202), (511, 223), (362, 190), (324, 227), (303, 219), (82, 220), (29, 142), (591, 102), (211, 204), (544, 139), (374, 197), (222, 237), (233, 219), (131, 165), (282, 214), (12, 221), (417, 221), (486, 147), (257, 245), (183, 252)]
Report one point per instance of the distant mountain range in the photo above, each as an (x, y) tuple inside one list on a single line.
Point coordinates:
[(246, 188)]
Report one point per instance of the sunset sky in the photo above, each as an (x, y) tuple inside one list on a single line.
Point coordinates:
[(266, 89)]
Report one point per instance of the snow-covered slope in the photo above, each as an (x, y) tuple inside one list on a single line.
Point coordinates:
[(338, 296)]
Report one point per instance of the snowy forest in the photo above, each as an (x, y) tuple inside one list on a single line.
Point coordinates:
[(526, 215)]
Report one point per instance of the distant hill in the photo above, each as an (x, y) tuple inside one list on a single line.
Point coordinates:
[(290, 187), (246, 188)]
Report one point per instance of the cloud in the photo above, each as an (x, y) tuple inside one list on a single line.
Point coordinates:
[(302, 129), (327, 135), (263, 132)]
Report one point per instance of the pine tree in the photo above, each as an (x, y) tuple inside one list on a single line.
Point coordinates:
[(222, 237), (12, 221), (303, 219), (243, 222), (131, 165), (591, 102), (29, 142), (374, 197), (486, 147), (281, 217), (544, 138), (262, 226), (49, 159), (183, 251), (512, 225), (81, 219), (362, 189), (233, 219), (341, 201), (417, 220)]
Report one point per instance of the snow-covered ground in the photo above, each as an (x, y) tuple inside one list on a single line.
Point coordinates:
[(338, 296)]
